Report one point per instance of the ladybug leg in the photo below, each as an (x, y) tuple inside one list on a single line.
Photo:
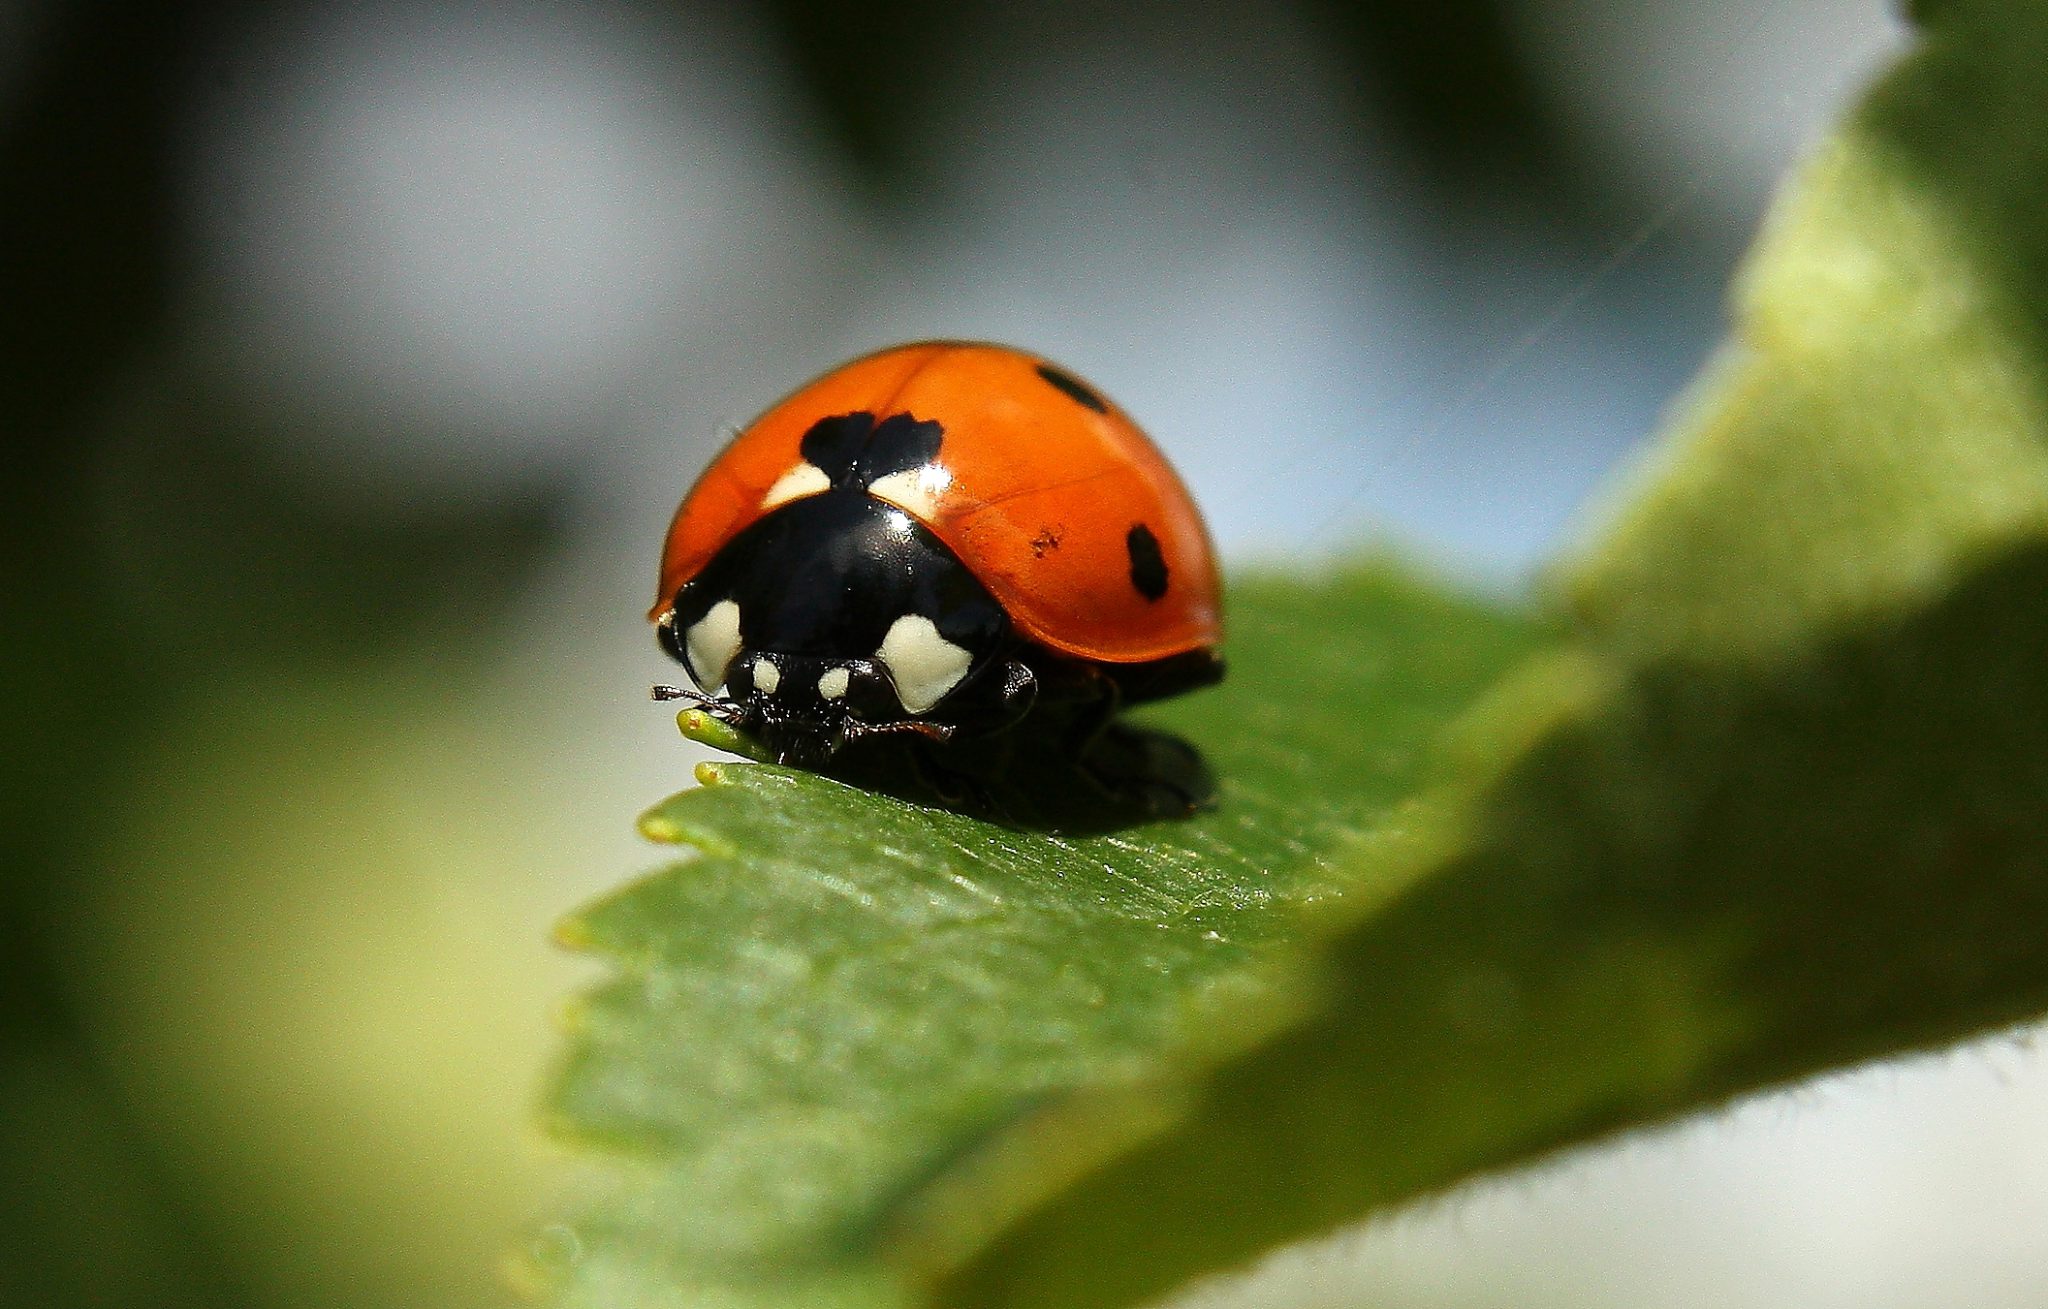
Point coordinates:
[(1101, 700), (1165, 774), (955, 789), (1153, 771)]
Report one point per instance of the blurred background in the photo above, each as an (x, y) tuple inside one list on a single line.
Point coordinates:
[(356, 355)]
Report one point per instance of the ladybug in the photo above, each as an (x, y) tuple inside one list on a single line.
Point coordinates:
[(938, 542)]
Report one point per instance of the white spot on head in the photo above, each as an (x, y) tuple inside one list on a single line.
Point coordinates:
[(915, 489), (712, 641), (798, 482), (832, 682), (923, 664), (766, 676)]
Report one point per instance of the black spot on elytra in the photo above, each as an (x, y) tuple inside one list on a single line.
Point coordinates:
[(1076, 389), (1148, 566), (854, 450)]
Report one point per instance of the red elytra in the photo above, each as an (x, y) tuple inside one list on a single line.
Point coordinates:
[(1048, 493)]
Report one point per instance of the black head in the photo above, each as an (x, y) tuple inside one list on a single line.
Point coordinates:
[(834, 618)]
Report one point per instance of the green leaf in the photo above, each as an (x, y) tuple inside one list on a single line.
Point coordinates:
[(1773, 801), (1781, 801), (842, 995)]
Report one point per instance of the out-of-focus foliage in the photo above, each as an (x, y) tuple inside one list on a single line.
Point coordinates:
[(153, 552), (1448, 76), (1772, 805)]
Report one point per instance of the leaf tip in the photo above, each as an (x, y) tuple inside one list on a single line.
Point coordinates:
[(701, 727), (656, 825)]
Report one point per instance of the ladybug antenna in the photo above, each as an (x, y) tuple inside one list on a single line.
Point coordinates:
[(709, 703)]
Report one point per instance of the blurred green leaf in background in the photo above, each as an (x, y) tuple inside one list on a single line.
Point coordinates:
[(161, 562)]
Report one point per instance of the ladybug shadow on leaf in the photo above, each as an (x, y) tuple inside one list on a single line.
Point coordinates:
[(1125, 775)]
